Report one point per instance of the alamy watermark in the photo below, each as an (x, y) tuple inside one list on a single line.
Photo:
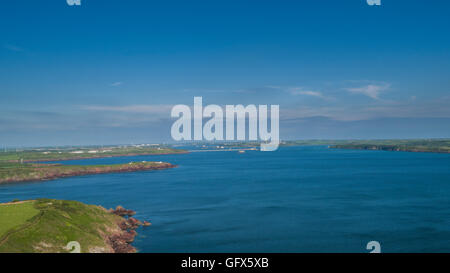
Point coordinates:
[(374, 2), (374, 247), (73, 2), (73, 247), (235, 117)]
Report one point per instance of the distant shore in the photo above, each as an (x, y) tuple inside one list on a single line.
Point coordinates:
[(39, 172), (23, 165), (392, 148)]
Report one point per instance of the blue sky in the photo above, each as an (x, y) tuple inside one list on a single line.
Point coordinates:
[(109, 71)]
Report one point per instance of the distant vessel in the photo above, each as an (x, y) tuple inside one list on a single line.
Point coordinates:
[(241, 151)]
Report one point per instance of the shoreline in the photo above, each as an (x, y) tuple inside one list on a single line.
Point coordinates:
[(44, 172)]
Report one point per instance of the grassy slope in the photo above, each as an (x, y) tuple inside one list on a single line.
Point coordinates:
[(14, 215), (57, 223)]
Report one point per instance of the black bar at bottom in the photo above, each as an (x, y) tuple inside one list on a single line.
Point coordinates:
[(225, 262)]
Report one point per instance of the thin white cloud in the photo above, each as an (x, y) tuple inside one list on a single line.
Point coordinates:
[(310, 93), (299, 91), (372, 90), (116, 83)]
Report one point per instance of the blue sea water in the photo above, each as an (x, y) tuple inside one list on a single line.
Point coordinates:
[(297, 199)]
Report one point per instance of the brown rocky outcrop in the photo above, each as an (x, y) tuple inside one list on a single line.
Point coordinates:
[(121, 211), (120, 242)]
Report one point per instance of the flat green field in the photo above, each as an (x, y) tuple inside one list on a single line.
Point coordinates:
[(15, 214)]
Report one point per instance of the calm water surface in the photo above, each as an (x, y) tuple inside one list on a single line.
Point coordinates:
[(297, 199)]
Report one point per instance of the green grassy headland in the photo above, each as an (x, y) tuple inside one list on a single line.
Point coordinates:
[(47, 225)]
